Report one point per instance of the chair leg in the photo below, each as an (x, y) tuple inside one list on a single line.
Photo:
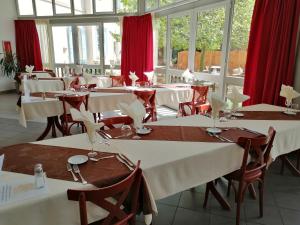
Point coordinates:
[(298, 160), (252, 191), (261, 198), (206, 196), (282, 165), (228, 188), (239, 202)]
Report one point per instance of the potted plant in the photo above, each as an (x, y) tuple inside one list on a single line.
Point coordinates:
[(9, 65)]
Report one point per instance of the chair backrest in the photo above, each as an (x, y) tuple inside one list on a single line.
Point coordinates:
[(258, 149), (147, 97), (143, 83), (112, 121), (117, 81), (200, 94), (74, 101), (119, 191)]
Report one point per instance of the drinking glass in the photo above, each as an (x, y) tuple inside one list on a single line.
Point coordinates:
[(92, 140), (126, 130)]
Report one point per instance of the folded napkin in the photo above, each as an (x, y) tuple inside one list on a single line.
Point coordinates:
[(135, 110), (216, 103), (87, 78), (236, 97), (1, 161), (288, 93), (150, 75), (29, 69), (133, 77), (187, 75)]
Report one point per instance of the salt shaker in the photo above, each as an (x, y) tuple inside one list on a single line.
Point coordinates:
[(39, 176)]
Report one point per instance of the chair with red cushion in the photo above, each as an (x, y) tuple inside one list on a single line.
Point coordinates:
[(117, 81), (72, 102), (127, 189), (253, 169), (198, 104), (148, 99), (111, 122)]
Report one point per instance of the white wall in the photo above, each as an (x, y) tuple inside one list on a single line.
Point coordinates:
[(8, 14)]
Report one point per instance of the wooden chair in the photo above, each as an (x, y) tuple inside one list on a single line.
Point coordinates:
[(198, 104), (148, 99), (117, 81), (127, 188), (254, 165), (111, 122), (66, 118)]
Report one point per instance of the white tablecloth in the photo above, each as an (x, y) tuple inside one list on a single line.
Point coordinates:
[(43, 85), (169, 167), (101, 81), (38, 108)]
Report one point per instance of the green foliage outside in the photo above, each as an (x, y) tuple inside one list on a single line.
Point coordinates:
[(128, 6)]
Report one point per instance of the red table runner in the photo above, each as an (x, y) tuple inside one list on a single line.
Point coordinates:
[(268, 115), (111, 90)]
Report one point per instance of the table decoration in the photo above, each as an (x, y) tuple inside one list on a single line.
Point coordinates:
[(236, 98), (289, 94), (133, 77), (187, 76), (217, 104)]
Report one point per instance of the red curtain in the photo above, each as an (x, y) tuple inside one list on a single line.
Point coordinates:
[(271, 50), (137, 46), (27, 44)]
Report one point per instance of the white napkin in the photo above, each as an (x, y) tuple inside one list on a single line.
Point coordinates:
[(288, 93), (187, 75), (78, 69), (236, 97), (29, 69), (87, 78), (135, 110), (216, 103), (150, 75), (133, 77), (1, 161)]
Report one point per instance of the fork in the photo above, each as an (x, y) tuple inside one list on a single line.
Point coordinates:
[(69, 168), (76, 170)]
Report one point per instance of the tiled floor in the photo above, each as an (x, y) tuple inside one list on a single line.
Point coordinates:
[(282, 193)]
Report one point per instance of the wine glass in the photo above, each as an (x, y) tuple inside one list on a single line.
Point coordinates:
[(92, 139), (288, 104), (126, 130)]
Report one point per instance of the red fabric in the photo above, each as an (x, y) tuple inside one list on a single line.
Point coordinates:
[(137, 46), (27, 44), (272, 50)]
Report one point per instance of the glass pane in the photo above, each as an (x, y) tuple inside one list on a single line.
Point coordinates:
[(83, 7), (166, 2), (112, 44), (127, 6), (104, 5), (25, 7), (62, 6), (44, 7), (151, 4), (239, 37), (63, 44), (209, 40), (161, 33), (88, 45), (180, 36)]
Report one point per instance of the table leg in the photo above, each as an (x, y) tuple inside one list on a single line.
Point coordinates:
[(285, 161), (210, 186), (52, 124)]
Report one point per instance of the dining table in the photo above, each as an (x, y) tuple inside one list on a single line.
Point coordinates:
[(177, 155)]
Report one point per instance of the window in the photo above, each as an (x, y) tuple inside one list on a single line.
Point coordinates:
[(166, 2), (112, 44), (127, 6), (180, 36), (151, 4), (161, 36), (88, 45), (25, 7), (63, 44), (44, 7), (42, 29), (209, 40), (62, 6), (104, 5), (83, 7), (243, 10)]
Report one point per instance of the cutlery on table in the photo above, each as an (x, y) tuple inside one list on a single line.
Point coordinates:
[(124, 162), (105, 157), (69, 168), (126, 159), (124, 135), (248, 130), (76, 170), (226, 139), (106, 135)]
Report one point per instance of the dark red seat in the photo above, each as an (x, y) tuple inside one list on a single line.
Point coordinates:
[(117, 81), (148, 99), (73, 102), (254, 165), (117, 215), (198, 104)]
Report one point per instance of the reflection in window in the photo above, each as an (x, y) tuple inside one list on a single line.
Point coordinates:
[(239, 37), (104, 5), (160, 34), (62, 6), (209, 40), (88, 45), (63, 44), (25, 7), (180, 36), (112, 44), (127, 6), (83, 7), (44, 7)]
